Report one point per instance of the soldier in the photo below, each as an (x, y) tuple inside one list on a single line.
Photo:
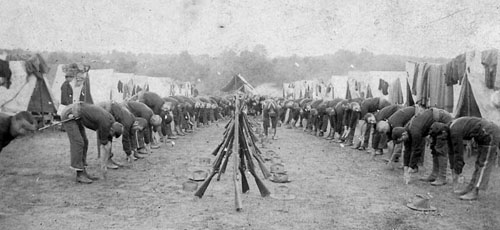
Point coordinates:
[(123, 116), (413, 137), (90, 116), (487, 135)]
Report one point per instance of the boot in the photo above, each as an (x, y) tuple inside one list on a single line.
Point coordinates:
[(274, 134), (435, 169), (81, 178), (137, 156), (441, 173), (357, 145), (178, 132), (330, 135), (471, 195), (463, 191), (406, 174), (89, 176), (110, 165)]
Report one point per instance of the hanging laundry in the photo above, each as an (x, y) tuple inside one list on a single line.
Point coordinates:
[(396, 94), (383, 86), (120, 86), (348, 92), (449, 74), (418, 69), (5, 73), (369, 93), (409, 95), (459, 68), (489, 61)]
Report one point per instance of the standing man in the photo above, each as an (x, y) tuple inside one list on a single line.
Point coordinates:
[(487, 135), (83, 115), (270, 117)]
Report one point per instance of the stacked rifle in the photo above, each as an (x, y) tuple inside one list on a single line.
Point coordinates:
[(247, 153)]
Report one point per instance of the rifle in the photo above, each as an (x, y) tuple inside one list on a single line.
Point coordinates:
[(58, 123), (201, 190), (242, 168), (251, 167), (257, 154)]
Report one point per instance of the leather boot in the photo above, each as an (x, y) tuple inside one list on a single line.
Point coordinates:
[(357, 145), (463, 191), (441, 175), (110, 165), (471, 195), (81, 178), (89, 176), (274, 134), (177, 131), (432, 177), (330, 135)]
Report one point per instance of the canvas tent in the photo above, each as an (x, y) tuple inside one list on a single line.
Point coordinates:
[(26, 93), (475, 99), (107, 84), (238, 83)]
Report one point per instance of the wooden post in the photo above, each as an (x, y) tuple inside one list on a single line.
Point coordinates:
[(236, 155)]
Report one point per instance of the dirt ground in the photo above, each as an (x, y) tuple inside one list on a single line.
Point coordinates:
[(335, 188)]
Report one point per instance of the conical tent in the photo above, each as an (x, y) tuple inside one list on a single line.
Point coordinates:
[(238, 83), (26, 93), (475, 97)]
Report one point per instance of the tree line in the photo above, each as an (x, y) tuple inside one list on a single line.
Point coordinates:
[(210, 73)]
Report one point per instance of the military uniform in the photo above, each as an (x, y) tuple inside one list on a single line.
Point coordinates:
[(487, 135)]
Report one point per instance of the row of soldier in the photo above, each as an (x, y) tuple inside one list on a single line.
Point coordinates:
[(408, 128), (142, 122)]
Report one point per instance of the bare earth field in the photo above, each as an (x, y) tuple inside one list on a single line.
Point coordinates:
[(335, 188)]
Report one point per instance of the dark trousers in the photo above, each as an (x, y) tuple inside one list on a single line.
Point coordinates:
[(379, 140), (78, 144)]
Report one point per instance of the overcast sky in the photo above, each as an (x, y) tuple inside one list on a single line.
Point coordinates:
[(285, 27)]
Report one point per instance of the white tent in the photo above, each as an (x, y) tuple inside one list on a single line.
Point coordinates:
[(26, 93)]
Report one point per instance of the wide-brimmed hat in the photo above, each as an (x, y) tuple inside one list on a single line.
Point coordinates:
[(282, 192), (189, 186), (268, 155), (277, 168), (280, 177), (204, 161), (421, 203), (276, 160), (198, 175)]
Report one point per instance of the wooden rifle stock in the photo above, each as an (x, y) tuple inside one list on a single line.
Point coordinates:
[(251, 167), (258, 156), (262, 187), (201, 190), (244, 182)]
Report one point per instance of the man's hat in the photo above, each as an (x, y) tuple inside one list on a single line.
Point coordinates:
[(277, 168), (280, 177), (117, 129), (155, 120), (198, 175), (383, 127), (421, 203), (397, 132), (282, 192)]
